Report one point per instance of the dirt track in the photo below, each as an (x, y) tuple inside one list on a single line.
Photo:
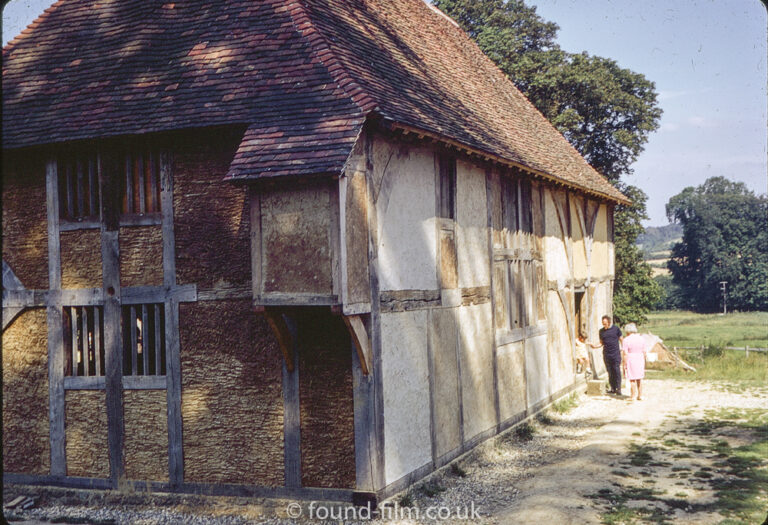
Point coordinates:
[(655, 455)]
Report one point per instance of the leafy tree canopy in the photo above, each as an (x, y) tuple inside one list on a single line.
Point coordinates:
[(635, 290), (606, 112), (725, 238)]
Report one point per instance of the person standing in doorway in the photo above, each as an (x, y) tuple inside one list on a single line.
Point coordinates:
[(610, 337)]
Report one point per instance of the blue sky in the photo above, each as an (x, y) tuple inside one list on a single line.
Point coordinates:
[(706, 57)]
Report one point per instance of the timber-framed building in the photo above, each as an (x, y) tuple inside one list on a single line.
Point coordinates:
[(308, 248)]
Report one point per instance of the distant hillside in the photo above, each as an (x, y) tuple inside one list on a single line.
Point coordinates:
[(657, 240), (656, 244)]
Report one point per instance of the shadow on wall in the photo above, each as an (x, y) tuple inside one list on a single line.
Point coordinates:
[(26, 446)]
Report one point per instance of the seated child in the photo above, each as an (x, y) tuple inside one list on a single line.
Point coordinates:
[(582, 359)]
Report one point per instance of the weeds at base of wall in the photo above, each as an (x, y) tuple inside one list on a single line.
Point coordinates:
[(566, 404), (457, 471)]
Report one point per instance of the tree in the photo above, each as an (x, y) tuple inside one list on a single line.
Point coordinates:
[(725, 238), (606, 112), (635, 291)]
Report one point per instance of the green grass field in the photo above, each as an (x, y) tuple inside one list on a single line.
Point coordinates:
[(682, 328), (714, 332)]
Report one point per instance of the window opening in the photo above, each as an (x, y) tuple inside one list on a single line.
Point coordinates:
[(520, 276), (447, 187), (78, 187), (143, 328), (509, 203), (140, 183), (83, 341)]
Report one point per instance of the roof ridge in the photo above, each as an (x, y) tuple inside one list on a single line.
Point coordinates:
[(7, 48), (303, 23)]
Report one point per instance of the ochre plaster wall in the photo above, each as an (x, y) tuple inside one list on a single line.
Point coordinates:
[(25, 223), (327, 406), (26, 447), (211, 217), (296, 241), (81, 259), (145, 414), (231, 401), (141, 256), (86, 433)]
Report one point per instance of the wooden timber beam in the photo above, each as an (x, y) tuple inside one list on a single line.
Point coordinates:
[(282, 333), (362, 341)]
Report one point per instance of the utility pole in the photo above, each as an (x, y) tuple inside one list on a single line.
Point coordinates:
[(722, 287)]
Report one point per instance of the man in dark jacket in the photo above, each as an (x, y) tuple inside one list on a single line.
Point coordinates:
[(610, 337)]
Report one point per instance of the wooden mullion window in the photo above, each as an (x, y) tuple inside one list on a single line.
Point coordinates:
[(447, 187), (128, 186), (78, 188), (143, 340), (82, 341), (140, 183), (509, 204)]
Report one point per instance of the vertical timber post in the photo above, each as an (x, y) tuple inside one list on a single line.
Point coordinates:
[(113, 356), (292, 414), (56, 402), (377, 445), (172, 343)]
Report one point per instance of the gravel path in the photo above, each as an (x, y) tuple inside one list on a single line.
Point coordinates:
[(548, 476)]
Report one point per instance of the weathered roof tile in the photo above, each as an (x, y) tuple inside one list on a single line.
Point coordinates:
[(302, 75)]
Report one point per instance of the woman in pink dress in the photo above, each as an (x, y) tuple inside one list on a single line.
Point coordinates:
[(633, 350)]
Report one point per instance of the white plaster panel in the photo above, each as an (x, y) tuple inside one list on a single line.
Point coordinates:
[(442, 333), (476, 345), (599, 309), (405, 378), (536, 369), (577, 234), (511, 372), (601, 266), (405, 209), (560, 349), (555, 255), (471, 227)]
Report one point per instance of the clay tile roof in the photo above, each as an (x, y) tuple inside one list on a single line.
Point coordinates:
[(302, 76)]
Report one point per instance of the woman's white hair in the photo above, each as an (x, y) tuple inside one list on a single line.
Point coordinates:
[(630, 328)]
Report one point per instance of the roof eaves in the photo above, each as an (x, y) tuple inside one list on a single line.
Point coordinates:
[(390, 124)]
